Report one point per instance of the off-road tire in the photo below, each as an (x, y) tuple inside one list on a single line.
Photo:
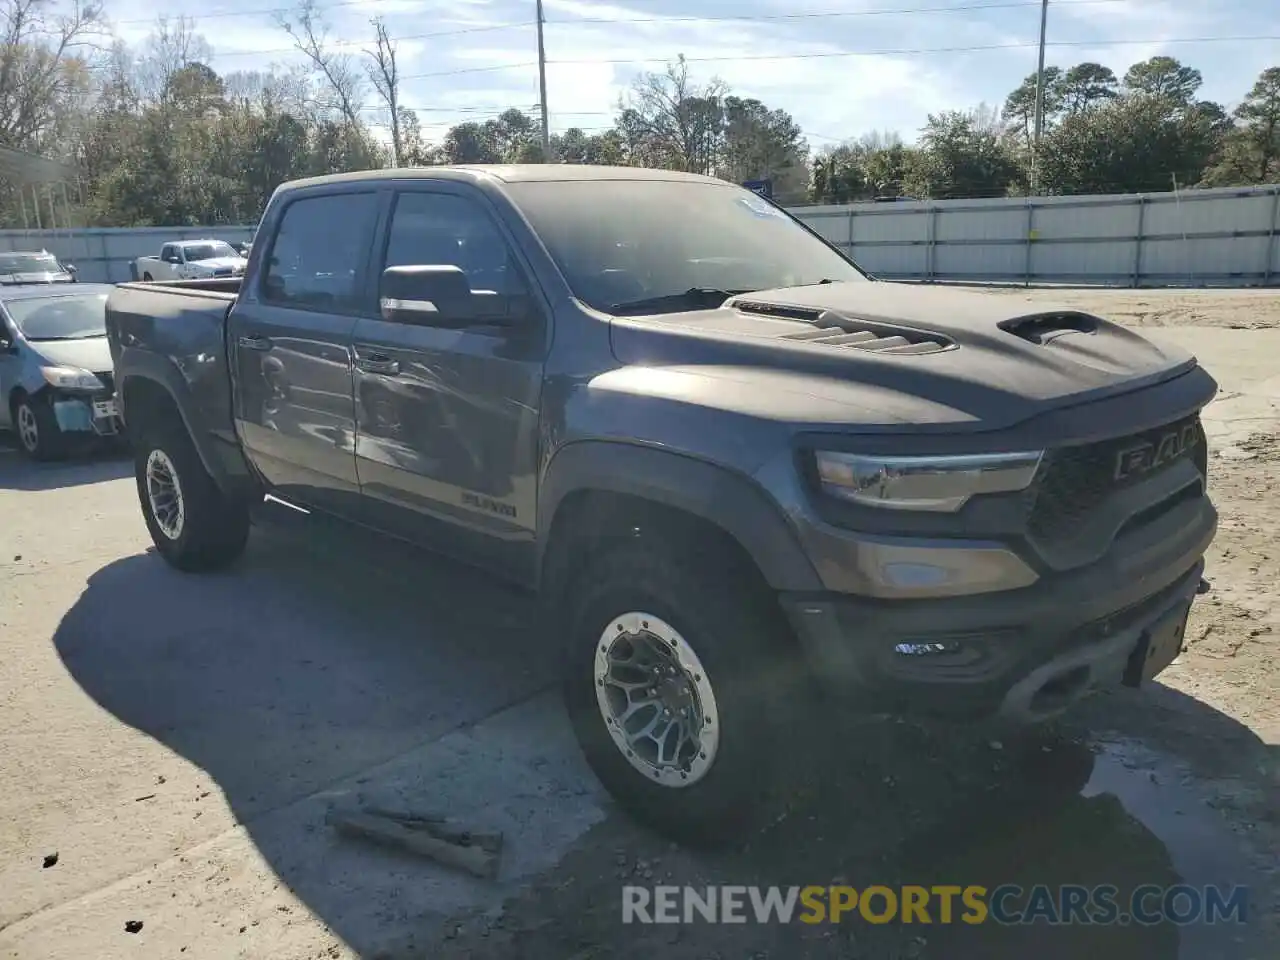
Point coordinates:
[(733, 625), (215, 528), (51, 442)]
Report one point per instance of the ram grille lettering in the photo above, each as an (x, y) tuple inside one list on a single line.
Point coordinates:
[(1146, 457)]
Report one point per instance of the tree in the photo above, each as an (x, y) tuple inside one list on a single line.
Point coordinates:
[(1087, 84), (670, 121), (575, 146), (874, 165), (172, 46), (342, 86), (763, 144), (1251, 151), (385, 77), (1138, 142), (1163, 77), (511, 137), (958, 157), (1020, 105), (44, 71)]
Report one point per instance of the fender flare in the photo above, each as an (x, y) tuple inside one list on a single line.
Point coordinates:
[(731, 501), (135, 365)]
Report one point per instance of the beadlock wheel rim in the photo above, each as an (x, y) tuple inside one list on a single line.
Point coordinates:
[(28, 429), (656, 700), (164, 493)]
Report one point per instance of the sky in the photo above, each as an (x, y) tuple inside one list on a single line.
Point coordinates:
[(840, 67)]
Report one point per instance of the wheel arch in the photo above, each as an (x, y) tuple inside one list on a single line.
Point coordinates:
[(597, 490), (156, 392)]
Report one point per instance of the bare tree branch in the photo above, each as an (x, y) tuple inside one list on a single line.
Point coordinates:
[(384, 76), (343, 81), (43, 65)]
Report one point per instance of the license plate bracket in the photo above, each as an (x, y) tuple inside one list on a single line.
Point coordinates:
[(1158, 646), (104, 408)]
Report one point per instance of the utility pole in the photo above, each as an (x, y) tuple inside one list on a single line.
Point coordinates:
[(1039, 123), (542, 89)]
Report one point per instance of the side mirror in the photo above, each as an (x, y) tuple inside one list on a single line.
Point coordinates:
[(433, 295)]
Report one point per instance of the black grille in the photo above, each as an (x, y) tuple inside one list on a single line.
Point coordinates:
[(1072, 481)]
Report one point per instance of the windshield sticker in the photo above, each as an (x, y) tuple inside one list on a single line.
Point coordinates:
[(759, 206)]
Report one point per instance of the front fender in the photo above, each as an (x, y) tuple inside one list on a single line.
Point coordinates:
[(731, 501)]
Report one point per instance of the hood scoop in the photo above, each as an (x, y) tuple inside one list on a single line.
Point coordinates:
[(836, 330), (1040, 328)]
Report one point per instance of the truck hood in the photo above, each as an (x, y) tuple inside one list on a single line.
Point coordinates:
[(883, 355), (215, 263), (92, 353)]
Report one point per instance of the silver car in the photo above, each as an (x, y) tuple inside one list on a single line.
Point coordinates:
[(55, 367), (41, 266)]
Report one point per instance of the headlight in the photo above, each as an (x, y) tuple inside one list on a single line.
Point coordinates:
[(940, 484), (71, 378)]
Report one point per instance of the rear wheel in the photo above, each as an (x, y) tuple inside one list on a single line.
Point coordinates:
[(679, 685), (193, 524), (39, 436)]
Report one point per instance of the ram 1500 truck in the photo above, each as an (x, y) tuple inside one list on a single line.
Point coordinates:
[(735, 467), (191, 260)]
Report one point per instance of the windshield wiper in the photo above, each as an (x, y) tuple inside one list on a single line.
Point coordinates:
[(693, 299)]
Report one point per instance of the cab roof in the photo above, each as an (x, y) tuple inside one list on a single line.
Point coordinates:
[(505, 173)]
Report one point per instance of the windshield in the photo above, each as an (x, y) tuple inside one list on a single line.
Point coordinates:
[(60, 318), (208, 251), (620, 242), (29, 263)]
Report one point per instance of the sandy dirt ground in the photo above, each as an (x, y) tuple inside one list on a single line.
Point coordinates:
[(177, 742)]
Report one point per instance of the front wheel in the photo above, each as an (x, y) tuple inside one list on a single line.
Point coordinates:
[(678, 682), (146, 277), (39, 435), (192, 523)]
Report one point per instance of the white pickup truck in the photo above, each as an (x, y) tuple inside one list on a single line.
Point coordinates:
[(191, 260)]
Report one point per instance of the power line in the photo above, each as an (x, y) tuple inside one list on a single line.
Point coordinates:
[(769, 18), (828, 55), (454, 73), (887, 11), (259, 13), (912, 51)]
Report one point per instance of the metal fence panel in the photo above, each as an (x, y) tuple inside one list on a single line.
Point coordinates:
[(1201, 237)]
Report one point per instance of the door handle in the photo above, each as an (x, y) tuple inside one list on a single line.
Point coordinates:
[(383, 365), (254, 343)]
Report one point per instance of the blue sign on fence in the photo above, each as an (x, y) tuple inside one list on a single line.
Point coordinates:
[(762, 187)]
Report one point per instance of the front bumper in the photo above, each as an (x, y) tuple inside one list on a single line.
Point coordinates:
[(86, 413), (1024, 654)]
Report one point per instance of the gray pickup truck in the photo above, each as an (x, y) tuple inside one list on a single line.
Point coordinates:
[(736, 468)]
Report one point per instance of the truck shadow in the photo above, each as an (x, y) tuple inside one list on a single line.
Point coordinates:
[(317, 671)]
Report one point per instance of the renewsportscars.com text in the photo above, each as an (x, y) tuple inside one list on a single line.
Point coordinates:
[(1007, 904)]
